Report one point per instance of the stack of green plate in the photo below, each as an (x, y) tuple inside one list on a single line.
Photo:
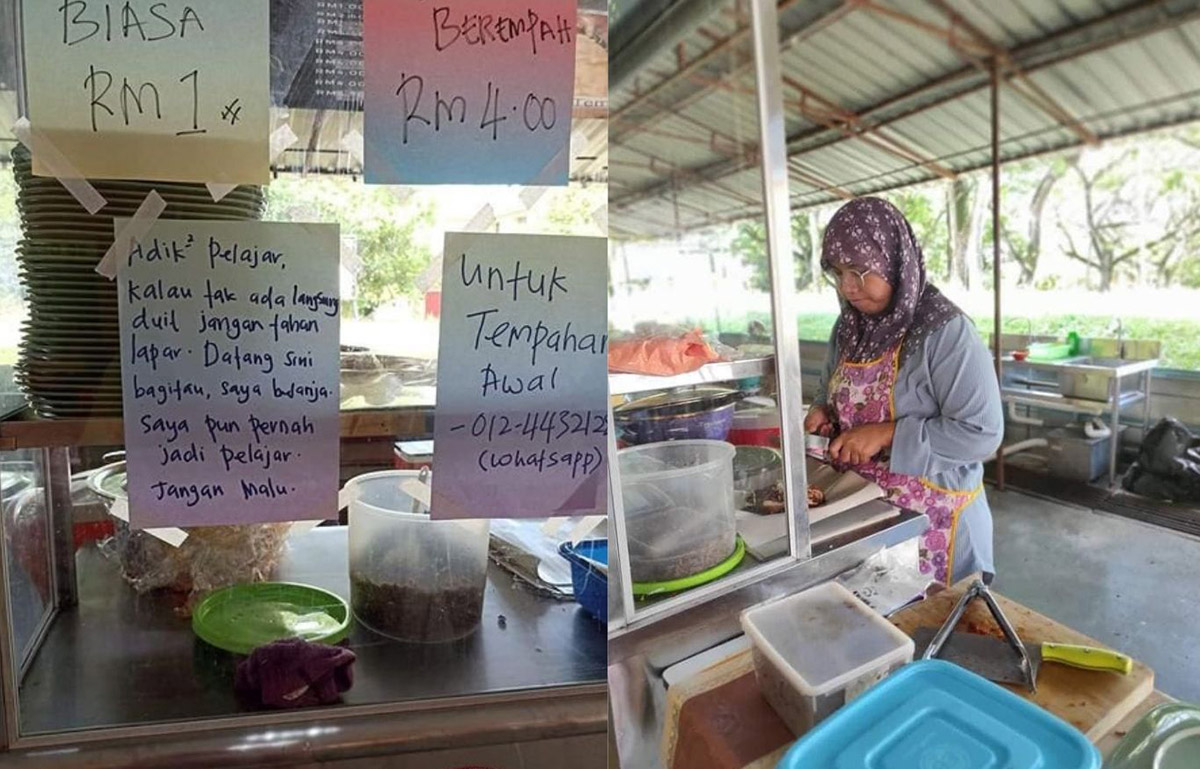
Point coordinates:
[(69, 362)]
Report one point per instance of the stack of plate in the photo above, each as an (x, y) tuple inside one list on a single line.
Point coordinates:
[(69, 361)]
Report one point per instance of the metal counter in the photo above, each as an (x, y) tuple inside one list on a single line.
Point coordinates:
[(638, 656), (123, 660)]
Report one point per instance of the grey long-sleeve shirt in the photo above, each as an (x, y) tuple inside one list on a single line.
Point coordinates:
[(949, 419)]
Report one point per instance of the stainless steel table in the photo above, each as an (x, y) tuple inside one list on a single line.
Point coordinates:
[(119, 660)]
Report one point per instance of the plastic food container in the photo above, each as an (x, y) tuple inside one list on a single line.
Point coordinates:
[(211, 557), (817, 650), (679, 508), (935, 714), (755, 427), (699, 414), (411, 578), (588, 581), (1167, 737)]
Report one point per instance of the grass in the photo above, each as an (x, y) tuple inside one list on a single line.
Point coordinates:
[(1180, 338)]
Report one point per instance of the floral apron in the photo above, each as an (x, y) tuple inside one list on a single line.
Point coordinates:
[(863, 394)]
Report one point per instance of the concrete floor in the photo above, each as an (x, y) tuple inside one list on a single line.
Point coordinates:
[(1127, 584)]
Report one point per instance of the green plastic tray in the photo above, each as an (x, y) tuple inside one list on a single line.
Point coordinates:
[(241, 618), (648, 589)]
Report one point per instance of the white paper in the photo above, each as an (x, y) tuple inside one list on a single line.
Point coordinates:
[(167, 91), (229, 362)]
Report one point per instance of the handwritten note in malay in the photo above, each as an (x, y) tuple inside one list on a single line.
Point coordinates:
[(469, 91), (163, 90), (229, 363), (522, 393)]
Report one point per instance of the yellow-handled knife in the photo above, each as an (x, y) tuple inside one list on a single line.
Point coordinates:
[(994, 659), (1086, 657)]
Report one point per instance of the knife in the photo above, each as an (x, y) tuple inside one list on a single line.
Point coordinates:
[(997, 661)]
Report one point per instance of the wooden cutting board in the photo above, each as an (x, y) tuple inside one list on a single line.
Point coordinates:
[(1092, 702)]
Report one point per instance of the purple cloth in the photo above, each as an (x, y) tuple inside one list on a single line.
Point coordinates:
[(871, 234), (295, 674)]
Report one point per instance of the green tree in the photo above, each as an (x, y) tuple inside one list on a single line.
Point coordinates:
[(750, 247), (388, 223), (928, 219)]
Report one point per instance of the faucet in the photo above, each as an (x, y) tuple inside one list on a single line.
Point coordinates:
[(1118, 328)]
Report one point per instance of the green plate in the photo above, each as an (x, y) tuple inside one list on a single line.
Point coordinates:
[(648, 589), (241, 618)]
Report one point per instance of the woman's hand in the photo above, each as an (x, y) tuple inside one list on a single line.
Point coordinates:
[(818, 422), (861, 444)]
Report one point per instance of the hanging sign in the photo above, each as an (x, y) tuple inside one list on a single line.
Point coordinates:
[(229, 366), (522, 395), (469, 91), (165, 91)]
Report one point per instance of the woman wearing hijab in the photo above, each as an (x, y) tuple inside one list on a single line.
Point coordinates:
[(909, 395)]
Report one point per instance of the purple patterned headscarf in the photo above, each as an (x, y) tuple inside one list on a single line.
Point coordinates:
[(872, 234)]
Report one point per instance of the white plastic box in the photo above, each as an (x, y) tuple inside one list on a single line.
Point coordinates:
[(817, 650)]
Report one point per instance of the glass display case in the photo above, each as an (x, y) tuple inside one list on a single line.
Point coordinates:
[(99, 664), (705, 254)]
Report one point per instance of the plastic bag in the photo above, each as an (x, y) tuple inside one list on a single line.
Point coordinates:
[(889, 580), (1168, 464), (660, 353), (212, 557)]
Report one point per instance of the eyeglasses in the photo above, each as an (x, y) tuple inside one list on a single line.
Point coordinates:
[(838, 278)]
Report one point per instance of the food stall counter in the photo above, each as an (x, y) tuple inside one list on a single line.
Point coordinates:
[(120, 663)]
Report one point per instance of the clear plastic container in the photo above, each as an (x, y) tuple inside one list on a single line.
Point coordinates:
[(817, 650), (679, 508), (411, 578)]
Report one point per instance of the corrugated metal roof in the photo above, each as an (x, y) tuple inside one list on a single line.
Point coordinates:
[(886, 93)]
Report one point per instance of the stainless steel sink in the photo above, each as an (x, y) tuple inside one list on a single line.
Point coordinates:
[(1090, 377)]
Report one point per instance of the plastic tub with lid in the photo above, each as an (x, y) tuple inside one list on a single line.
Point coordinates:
[(412, 578), (817, 650), (679, 508), (755, 426), (935, 714)]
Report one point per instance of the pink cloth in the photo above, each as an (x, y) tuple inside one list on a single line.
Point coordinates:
[(660, 355), (295, 674)]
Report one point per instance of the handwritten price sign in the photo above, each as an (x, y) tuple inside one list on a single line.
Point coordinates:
[(469, 92), (167, 91), (522, 403)]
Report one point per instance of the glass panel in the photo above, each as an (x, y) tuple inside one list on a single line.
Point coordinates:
[(126, 654), (26, 548), (690, 285)]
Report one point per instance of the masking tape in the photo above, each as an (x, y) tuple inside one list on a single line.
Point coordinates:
[(59, 166), (281, 138), (173, 537), (585, 527), (219, 191), (353, 143), (135, 229), (303, 527)]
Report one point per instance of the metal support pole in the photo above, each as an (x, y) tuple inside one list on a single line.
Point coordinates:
[(999, 347), (769, 75)]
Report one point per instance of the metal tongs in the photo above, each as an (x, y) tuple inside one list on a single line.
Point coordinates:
[(979, 590)]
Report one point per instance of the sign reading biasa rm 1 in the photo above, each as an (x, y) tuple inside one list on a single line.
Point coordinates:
[(469, 91), (229, 346), (166, 90), (522, 396)]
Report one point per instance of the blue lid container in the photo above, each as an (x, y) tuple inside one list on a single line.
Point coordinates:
[(934, 714), (589, 583)]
